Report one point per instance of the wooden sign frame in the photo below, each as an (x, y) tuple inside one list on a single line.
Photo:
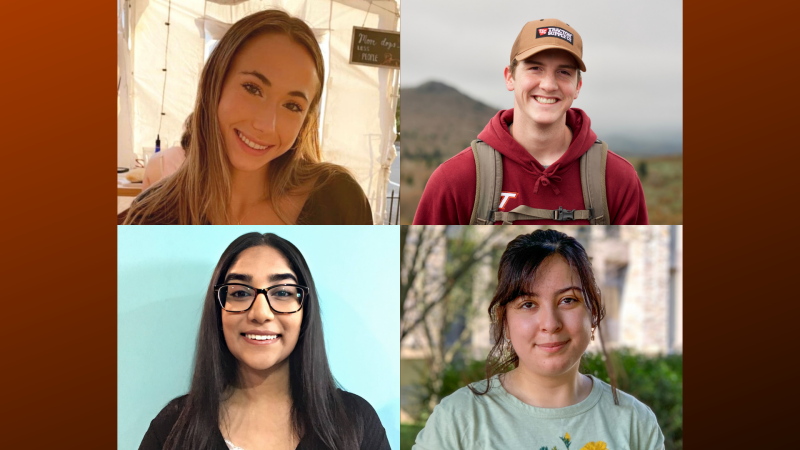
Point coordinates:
[(375, 48)]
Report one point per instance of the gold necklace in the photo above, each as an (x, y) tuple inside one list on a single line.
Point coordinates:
[(230, 222)]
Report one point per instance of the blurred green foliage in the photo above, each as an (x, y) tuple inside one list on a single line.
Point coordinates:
[(657, 381), (408, 434)]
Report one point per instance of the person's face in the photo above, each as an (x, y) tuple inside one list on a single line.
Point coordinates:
[(265, 100), (550, 326), (261, 267), (544, 86)]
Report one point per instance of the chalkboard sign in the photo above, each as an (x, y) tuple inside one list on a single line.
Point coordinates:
[(371, 47)]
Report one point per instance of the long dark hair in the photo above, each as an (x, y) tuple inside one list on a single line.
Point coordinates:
[(518, 266), (317, 407)]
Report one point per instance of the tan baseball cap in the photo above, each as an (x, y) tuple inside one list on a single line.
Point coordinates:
[(544, 34)]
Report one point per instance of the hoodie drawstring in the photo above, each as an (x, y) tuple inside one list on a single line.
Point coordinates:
[(544, 180)]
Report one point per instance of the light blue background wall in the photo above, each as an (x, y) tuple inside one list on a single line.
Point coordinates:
[(163, 272)]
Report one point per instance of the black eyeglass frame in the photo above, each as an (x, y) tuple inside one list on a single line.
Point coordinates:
[(303, 289)]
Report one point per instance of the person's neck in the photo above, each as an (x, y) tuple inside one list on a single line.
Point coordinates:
[(262, 388), (546, 143), (248, 189), (559, 391)]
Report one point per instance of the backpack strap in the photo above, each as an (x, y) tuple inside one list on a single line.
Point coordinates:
[(523, 212), (489, 182), (593, 182)]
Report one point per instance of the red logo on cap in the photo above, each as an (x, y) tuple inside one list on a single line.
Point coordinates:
[(542, 31)]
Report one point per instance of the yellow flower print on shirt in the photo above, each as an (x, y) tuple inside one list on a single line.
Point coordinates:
[(599, 445), (567, 441)]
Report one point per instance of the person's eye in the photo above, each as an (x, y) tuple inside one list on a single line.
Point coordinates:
[(569, 301), (241, 293), (282, 293), (294, 107), (252, 89), (525, 304)]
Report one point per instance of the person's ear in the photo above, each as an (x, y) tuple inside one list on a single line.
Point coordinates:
[(509, 78), (578, 89)]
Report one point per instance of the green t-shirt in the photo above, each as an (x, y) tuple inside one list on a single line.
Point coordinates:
[(498, 420)]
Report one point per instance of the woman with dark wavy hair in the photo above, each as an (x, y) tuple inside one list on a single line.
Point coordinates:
[(261, 376), (545, 312)]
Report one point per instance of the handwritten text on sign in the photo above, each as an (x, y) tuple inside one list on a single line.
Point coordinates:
[(372, 47)]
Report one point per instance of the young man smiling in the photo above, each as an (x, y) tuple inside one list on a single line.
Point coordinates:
[(541, 141)]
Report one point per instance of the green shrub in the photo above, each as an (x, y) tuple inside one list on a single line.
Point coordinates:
[(408, 435)]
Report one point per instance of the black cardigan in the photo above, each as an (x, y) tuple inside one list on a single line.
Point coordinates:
[(374, 437), (340, 201)]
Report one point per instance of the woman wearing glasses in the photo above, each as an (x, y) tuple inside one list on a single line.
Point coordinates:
[(261, 377)]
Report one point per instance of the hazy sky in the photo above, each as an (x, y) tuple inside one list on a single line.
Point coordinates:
[(632, 51)]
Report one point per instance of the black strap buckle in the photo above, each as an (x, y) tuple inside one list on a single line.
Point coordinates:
[(564, 214)]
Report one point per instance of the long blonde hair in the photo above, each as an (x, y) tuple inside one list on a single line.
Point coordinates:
[(199, 192)]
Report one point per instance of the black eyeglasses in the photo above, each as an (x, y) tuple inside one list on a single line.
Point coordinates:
[(281, 298)]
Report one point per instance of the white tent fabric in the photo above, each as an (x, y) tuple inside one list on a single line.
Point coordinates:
[(359, 102)]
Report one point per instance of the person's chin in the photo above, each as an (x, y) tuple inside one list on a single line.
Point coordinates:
[(247, 163)]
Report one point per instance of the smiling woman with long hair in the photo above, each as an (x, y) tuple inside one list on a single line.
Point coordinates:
[(544, 314), (261, 376), (254, 155)]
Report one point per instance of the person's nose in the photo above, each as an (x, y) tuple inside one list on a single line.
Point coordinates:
[(550, 320), (548, 82), (261, 312), (266, 117)]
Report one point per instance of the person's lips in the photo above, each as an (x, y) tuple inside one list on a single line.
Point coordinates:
[(545, 100), (261, 337), (251, 145), (552, 347)]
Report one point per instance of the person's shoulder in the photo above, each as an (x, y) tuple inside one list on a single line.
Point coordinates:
[(374, 434), (463, 163), (339, 187), (168, 415), (341, 180), (465, 399), (645, 431), (355, 402), (626, 401), (452, 419), (337, 199), (456, 174), (162, 424), (618, 165)]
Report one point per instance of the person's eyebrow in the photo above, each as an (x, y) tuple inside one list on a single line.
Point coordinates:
[(558, 292), (268, 83), (233, 276), (561, 66), (260, 76), (281, 277)]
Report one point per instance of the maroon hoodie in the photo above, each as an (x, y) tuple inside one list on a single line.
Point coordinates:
[(450, 192)]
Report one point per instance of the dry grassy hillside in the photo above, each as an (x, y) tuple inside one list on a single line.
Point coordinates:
[(438, 122)]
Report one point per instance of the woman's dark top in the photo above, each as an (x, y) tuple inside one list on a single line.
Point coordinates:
[(357, 408), (340, 201)]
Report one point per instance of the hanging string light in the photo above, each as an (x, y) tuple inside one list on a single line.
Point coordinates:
[(164, 87)]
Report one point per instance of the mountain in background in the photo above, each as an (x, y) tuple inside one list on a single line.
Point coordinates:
[(439, 121)]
